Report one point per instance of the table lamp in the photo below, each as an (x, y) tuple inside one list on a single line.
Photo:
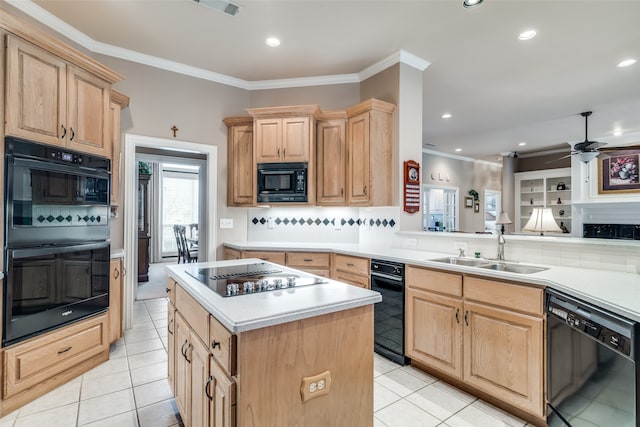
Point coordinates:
[(542, 220), (502, 220)]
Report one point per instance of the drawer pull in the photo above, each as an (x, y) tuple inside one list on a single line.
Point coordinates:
[(350, 264), (215, 344), (116, 273), (206, 388), (167, 290), (457, 315), (307, 260), (185, 355), (466, 320), (64, 351), (182, 349)]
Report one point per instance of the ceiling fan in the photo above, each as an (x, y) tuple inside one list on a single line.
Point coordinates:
[(586, 150)]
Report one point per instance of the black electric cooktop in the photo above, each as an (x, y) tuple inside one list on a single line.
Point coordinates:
[(247, 279)]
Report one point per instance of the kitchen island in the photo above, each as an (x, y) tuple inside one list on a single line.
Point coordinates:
[(296, 356)]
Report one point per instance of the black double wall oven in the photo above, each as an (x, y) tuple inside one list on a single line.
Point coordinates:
[(56, 248)]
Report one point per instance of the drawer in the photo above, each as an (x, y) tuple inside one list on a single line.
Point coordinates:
[(171, 290), (526, 299), (352, 279), (274, 257), (434, 281), (308, 259), (353, 265), (232, 253), (196, 316), (222, 345), (41, 358), (322, 272)]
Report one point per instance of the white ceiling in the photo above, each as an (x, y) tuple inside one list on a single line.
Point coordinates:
[(500, 90)]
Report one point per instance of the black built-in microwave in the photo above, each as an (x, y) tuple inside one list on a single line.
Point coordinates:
[(282, 182)]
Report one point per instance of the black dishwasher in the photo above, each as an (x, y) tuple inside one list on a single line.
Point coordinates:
[(592, 369), (387, 277)]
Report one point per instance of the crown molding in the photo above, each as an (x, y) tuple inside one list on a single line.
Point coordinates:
[(43, 16), (463, 158)]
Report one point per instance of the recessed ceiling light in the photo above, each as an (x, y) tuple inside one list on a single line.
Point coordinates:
[(522, 144), (458, 149), (527, 35), (273, 41), (471, 3), (446, 116), (617, 132), (627, 62)]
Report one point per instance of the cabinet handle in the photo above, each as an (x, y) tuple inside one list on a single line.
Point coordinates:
[(73, 134), (65, 350), (206, 388), (466, 320), (124, 271), (64, 131), (350, 265), (307, 260), (278, 153), (189, 347), (284, 153), (169, 327), (182, 349), (341, 192), (364, 190), (215, 344), (116, 273), (457, 315), (167, 290)]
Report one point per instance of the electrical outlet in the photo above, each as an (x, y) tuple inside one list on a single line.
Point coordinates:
[(314, 386), (412, 243), (337, 223), (271, 223), (226, 222)]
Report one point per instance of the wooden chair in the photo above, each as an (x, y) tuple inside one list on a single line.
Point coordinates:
[(185, 252)]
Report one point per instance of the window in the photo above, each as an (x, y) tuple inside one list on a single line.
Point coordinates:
[(492, 207), (440, 208), (179, 201)]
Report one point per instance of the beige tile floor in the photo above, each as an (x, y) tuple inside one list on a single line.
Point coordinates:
[(131, 390)]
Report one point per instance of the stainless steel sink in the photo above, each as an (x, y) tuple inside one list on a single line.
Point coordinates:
[(513, 268), (469, 262), (491, 265)]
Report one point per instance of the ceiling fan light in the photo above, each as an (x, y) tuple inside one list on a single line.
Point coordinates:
[(471, 3), (527, 35), (626, 63), (587, 156)]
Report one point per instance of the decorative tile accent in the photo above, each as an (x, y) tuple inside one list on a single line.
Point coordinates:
[(255, 221), (360, 222)]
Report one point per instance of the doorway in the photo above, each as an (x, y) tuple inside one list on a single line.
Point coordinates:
[(207, 205), (440, 208)]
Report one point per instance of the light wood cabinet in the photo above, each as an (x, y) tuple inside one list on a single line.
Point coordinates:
[(221, 391), (230, 253), (275, 257), (318, 263), (241, 173), (119, 101), (171, 346), (351, 269), (331, 148), (182, 374), (283, 139), (54, 102), (486, 333), (198, 358), (115, 299), (369, 142)]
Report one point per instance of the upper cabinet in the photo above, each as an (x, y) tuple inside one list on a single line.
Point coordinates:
[(241, 181), (118, 102), (331, 148), (284, 134), (369, 142), (57, 96)]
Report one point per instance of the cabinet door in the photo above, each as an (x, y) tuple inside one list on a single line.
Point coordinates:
[(434, 330), (171, 347), (36, 95), (295, 139), (358, 147), (115, 300), (199, 375), (182, 369), (268, 140), (88, 111), (114, 116), (241, 182), (222, 398), (503, 355), (331, 179)]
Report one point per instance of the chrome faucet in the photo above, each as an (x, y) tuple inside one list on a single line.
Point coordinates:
[(501, 243), (460, 253)]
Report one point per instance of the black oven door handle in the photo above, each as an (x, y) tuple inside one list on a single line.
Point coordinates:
[(280, 172), (387, 277), (55, 167), (55, 249)]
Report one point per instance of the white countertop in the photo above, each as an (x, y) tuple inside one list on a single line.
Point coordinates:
[(618, 292), (247, 312)]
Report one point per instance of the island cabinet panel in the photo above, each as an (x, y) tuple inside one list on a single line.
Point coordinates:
[(222, 345), (289, 352), (171, 290), (199, 364), (331, 148), (504, 355), (221, 392), (182, 392), (193, 313), (171, 346), (440, 344)]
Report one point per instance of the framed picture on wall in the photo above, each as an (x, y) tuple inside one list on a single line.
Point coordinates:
[(476, 207), (468, 201), (618, 170)]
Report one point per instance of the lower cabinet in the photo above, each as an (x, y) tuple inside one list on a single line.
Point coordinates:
[(490, 336), (115, 300), (221, 392), (351, 269)]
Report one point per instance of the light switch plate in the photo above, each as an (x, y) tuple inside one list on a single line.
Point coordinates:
[(226, 222)]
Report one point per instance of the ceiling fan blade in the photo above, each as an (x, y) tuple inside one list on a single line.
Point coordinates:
[(558, 159), (595, 145)]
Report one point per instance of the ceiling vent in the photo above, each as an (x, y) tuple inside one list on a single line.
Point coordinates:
[(221, 5)]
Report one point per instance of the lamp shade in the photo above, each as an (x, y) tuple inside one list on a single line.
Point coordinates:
[(542, 220), (587, 156), (503, 218)]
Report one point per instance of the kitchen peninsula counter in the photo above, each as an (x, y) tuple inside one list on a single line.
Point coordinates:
[(616, 291)]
